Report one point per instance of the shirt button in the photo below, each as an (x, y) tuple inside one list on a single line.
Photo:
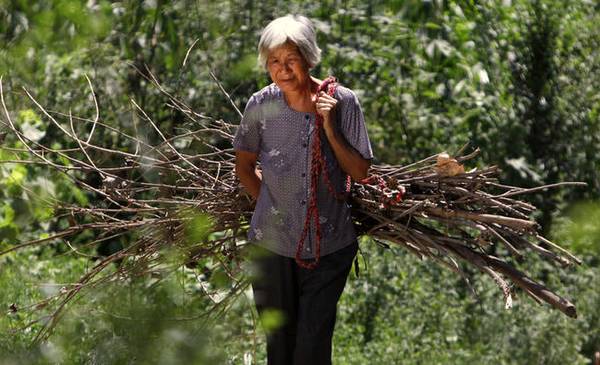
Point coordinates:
[(303, 202), (304, 144), (303, 174), (307, 117)]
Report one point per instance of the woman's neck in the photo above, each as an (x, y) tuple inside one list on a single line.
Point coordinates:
[(302, 99)]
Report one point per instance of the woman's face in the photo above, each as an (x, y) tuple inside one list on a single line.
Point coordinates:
[(287, 68)]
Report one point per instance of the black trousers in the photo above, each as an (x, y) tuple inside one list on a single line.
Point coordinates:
[(307, 301)]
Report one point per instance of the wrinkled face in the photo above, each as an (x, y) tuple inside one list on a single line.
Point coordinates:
[(287, 68)]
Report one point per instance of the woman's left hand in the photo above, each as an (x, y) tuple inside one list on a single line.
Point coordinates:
[(326, 108)]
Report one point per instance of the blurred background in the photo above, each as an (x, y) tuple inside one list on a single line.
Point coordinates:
[(518, 79)]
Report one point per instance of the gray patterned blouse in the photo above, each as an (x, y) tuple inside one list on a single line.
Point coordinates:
[(282, 138)]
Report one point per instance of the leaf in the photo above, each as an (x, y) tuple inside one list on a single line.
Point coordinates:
[(524, 169), (30, 123), (14, 181), (271, 319), (441, 45), (8, 215), (198, 228)]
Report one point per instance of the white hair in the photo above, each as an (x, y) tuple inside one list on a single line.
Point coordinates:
[(290, 28)]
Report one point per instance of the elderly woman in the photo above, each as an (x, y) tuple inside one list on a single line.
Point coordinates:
[(284, 125)]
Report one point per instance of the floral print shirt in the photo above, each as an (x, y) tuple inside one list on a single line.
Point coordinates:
[(282, 138)]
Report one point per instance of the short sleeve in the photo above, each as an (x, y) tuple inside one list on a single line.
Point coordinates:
[(353, 125), (247, 137)]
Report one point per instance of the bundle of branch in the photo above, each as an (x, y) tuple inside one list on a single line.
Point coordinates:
[(146, 194), (435, 209), (149, 191)]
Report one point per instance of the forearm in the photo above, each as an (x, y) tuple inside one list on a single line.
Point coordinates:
[(348, 158), (251, 178)]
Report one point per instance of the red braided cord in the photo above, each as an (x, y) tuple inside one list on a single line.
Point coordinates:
[(388, 197), (318, 166)]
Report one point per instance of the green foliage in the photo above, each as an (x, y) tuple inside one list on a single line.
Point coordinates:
[(138, 322), (406, 311), (8, 228), (156, 317), (579, 230), (271, 319), (198, 228)]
